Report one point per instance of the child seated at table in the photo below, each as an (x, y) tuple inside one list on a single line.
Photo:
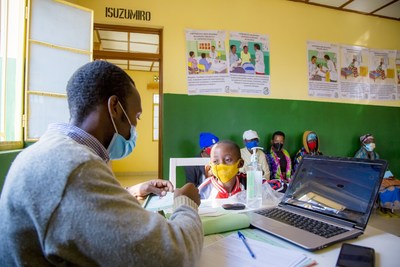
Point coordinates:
[(226, 181), (203, 61)]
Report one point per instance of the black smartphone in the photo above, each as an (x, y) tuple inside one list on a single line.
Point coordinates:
[(354, 255), (234, 206)]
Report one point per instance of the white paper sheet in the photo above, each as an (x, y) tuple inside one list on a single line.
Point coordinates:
[(230, 251)]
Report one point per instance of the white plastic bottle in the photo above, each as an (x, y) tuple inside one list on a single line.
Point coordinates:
[(254, 182)]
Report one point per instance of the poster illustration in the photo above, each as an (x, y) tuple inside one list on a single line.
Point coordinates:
[(354, 80), (352, 72), (207, 68), (322, 59), (249, 64), (398, 73), (382, 74)]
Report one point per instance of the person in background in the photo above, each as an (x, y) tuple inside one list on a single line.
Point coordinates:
[(333, 76), (197, 174), (311, 144), (367, 148), (353, 67), (312, 67), (226, 180), (251, 140), (259, 61), (204, 61), (279, 161), (234, 60), (381, 69), (213, 54), (245, 55), (61, 204), (389, 194), (193, 69)]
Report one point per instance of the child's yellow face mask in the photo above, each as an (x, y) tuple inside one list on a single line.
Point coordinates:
[(225, 172)]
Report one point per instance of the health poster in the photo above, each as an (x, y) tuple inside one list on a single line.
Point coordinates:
[(382, 69), (249, 63), (206, 62), (398, 73), (322, 59), (354, 80)]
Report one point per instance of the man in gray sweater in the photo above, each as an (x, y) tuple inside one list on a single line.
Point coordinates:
[(61, 205)]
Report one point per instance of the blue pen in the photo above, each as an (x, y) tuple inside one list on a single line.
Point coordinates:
[(241, 236)]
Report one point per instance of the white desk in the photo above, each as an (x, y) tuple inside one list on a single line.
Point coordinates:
[(387, 247), (218, 66)]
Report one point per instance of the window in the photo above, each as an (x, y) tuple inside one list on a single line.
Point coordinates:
[(56, 48), (12, 19), (156, 103), (40, 75)]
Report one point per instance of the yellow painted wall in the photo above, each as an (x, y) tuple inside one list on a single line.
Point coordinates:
[(145, 158), (288, 24)]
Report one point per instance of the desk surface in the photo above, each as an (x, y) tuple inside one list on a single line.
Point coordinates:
[(387, 252)]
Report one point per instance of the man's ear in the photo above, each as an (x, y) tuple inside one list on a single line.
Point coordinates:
[(113, 105)]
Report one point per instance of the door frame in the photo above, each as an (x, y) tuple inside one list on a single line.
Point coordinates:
[(98, 54)]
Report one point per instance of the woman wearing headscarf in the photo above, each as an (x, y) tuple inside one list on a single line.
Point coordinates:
[(278, 158), (310, 147), (389, 194), (367, 148)]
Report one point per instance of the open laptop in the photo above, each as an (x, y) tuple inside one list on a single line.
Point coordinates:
[(329, 198)]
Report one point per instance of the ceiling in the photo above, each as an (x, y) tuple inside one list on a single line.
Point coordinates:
[(389, 9), (128, 42)]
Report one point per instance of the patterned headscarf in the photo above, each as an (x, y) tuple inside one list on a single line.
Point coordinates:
[(365, 137)]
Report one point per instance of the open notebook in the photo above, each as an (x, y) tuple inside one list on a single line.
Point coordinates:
[(329, 200)]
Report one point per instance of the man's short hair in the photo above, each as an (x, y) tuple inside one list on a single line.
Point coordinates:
[(278, 133), (232, 145), (93, 84)]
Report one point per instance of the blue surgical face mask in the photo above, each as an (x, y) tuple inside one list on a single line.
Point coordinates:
[(252, 144), (370, 147), (119, 147)]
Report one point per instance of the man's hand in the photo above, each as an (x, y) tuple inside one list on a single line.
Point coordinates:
[(157, 186), (190, 191)]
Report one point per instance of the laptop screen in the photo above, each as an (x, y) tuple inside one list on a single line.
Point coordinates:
[(345, 188)]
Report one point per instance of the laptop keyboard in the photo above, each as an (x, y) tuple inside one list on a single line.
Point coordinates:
[(313, 226)]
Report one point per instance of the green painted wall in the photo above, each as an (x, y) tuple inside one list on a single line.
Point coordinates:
[(338, 125), (6, 158)]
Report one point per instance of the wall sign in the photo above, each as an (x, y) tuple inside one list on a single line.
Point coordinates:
[(123, 13)]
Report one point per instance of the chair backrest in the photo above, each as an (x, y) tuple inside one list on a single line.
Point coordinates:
[(175, 162)]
